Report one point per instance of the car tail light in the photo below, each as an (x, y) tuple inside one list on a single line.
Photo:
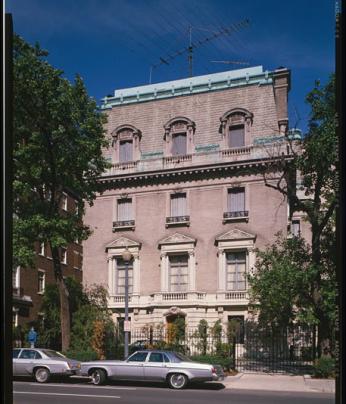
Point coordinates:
[(213, 370)]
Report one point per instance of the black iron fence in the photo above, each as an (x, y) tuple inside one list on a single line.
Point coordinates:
[(267, 349), (250, 348)]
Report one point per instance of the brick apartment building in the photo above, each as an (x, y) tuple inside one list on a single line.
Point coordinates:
[(29, 283), (186, 195)]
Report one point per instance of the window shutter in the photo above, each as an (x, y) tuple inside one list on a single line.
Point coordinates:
[(125, 151), (124, 209), (236, 200), (178, 205), (236, 137), (179, 144)]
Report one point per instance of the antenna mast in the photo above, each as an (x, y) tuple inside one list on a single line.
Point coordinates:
[(192, 45)]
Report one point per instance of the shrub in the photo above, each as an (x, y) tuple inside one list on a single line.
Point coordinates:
[(324, 367), (225, 362), (83, 356)]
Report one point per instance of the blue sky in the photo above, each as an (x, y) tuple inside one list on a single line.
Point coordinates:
[(113, 43)]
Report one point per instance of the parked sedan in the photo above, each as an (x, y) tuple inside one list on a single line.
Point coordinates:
[(154, 365), (42, 364)]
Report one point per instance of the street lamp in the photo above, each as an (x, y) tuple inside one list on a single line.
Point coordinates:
[(127, 256)]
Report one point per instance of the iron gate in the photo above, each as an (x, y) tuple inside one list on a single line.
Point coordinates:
[(289, 350)]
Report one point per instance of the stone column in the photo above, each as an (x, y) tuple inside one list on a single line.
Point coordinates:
[(192, 272), (164, 275), (222, 271), (111, 273)]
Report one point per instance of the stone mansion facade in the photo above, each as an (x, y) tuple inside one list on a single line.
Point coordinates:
[(186, 194)]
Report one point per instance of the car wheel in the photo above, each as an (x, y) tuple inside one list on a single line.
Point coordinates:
[(98, 376), (42, 375), (177, 381)]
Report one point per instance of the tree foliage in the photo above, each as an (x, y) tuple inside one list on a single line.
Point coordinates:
[(57, 146), (296, 279), (92, 328)]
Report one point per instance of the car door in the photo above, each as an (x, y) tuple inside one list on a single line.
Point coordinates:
[(155, 368), (15, 354), (26, 361), (132, 368)]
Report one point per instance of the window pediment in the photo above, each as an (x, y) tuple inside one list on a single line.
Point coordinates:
[(124, 132), (235, 116), (122, 243), (177, 238), (179, 123), (235, 234)]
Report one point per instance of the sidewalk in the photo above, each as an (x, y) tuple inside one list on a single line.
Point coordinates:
[(278, 382)]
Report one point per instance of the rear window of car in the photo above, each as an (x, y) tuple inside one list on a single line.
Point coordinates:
[(15, 353), (178, 357), (53, 354)]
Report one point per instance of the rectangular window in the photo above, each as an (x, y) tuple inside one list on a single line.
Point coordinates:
[(178, 205), (42, 249), (64, 201), (178, 273), (295, 228), (16, 278), (124, 209), (236, 136), (179, 144), (125, 151), (41, 281), (76, 259), (236, 269), (15, 324), (236, 200), (120, 276), (63, 255)]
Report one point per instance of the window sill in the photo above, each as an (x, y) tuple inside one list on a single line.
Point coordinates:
[(124, 225), (41, 293), (177, 221), (235, 217)]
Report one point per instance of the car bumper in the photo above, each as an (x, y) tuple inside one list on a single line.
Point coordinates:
[(217, 378)]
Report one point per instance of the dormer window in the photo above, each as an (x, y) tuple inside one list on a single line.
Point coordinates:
[(125, 151), (179, 136), (179, 144), (126, 142), (236, 136), (235, 128)]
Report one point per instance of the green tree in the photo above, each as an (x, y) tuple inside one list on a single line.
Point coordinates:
[(57, 146), (315, 159)]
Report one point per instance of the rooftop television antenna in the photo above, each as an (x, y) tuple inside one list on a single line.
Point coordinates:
[(230, 62), (193, 45)]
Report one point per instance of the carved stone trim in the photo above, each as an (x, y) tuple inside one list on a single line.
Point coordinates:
[(235, 234), (177, 238)]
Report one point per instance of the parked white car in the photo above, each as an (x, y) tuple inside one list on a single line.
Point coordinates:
[(153, 365), (42, 363)]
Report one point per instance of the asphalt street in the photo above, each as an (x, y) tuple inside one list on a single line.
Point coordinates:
[(82, 392)]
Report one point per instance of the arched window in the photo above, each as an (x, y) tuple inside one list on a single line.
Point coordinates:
[(235, 128), (179, 133), (126, 142)]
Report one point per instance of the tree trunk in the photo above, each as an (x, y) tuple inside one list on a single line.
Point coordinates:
[(64, 301)]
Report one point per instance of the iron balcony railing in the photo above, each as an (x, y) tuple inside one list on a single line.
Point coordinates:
[(177, 219), (124, 223), (237, 214)]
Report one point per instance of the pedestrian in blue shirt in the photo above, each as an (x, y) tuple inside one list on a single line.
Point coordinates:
[(32, 337)]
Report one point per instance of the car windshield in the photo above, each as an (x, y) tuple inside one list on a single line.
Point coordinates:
[(180, 357), (53, 354)]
